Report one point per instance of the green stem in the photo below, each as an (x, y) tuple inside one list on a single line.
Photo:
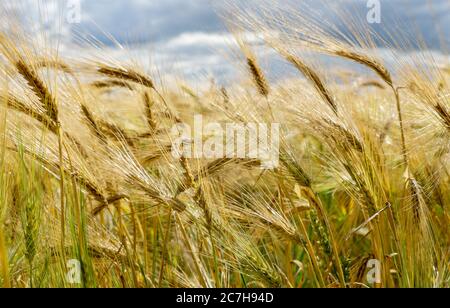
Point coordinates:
[(62, 197), (402, 129)]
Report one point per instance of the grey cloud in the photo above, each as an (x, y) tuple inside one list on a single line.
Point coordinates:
[(136, 21), (141, 21), (188, 33)]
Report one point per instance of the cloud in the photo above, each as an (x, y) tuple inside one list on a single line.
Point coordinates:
[(187, 36), (142, 21)]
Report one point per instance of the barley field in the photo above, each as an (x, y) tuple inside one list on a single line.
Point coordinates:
[(91, 195)]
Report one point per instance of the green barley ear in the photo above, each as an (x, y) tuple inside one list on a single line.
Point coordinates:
[(29, 195)]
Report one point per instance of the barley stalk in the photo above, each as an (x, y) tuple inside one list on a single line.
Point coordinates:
[(126, 74), (49, 103), (314, 78), (39, 88), (258, 77), (148, 112), (106, 84), (386, 76)]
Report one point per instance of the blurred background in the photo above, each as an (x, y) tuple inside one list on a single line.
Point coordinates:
[(188, 37)]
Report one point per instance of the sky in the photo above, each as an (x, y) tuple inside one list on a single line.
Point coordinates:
[(188, 35)]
